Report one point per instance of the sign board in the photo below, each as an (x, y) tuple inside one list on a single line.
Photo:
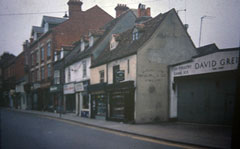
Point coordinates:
[(120, 76), (36, 86), (79, 87), (69, 88), (55, 88), (215, 62)]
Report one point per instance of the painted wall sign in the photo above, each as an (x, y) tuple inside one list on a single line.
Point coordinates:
[(69, 88), (216, 62), (79, 87)]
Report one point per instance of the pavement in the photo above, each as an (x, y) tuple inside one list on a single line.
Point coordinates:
[(206, 136)]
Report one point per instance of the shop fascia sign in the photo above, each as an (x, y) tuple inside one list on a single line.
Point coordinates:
[(79, 87), (216, 62), (35, 86), (69, 88), (55, 88)]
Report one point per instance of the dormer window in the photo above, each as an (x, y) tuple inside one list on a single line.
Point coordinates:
[(61, 54), (135, 34), (35, 36), (91, 40), (55, 56), (46, 27), (113, 42), (82, 45)]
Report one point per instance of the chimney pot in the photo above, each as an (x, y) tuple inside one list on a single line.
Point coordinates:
[(74, 6), (120, 9)]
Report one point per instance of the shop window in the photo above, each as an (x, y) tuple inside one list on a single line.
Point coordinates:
[(101, 73), (115, 70), (85, 101)]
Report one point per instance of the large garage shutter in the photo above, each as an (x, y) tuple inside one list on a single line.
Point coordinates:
[(207, 98)]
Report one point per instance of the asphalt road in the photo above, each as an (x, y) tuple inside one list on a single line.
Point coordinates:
[(28, 131)]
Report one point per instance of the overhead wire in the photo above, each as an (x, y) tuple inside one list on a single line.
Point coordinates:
[(48, 12)]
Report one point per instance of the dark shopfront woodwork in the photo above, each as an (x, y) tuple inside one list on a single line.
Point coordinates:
[(121, 100)]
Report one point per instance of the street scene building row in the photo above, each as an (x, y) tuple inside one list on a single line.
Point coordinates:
[(133, 68)]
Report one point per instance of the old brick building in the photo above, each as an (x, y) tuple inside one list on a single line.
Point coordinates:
[(7, 80), (50, 37)]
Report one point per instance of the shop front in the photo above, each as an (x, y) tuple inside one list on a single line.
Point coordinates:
[(203, 90), (82, 99), (98, 101), (45, 99), (69, 98), (34, 99), (57, 95), (121, 101)]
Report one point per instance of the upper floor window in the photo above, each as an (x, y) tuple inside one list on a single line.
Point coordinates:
[(84, 69), (38, 75), (56, 77), (32, 59), (32, 76), (69, 74), (42, 53), (115, 70), (42, 73), (49, 70), (38, 57), (49, 50), (101, 74), (135, 34)]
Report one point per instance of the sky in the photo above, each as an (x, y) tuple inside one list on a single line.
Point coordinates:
[(222, 26)]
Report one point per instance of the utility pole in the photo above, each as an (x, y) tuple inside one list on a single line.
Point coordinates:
[(200, 34)]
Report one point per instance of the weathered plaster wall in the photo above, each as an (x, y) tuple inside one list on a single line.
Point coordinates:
[(130, 73), (95, 76), (76, 71), (169, 45)]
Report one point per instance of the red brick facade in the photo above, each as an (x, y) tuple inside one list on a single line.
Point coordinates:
[(66, 33)]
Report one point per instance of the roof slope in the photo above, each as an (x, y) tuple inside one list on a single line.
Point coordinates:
[(76, 55), (127, 46), (211, 48), (52, 20)]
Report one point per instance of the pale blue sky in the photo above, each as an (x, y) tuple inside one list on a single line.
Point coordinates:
[(224, 29)]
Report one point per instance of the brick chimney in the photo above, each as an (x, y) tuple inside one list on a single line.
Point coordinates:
[(120, 9), (142, 11), (74, 6)]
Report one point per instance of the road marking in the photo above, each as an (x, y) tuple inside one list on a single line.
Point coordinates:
[(126, 135)]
